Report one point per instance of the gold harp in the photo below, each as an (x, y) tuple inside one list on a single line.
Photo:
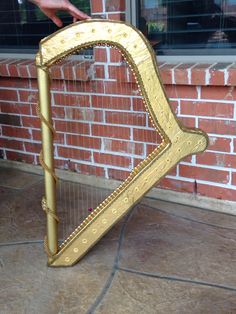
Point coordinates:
[(177, 141)]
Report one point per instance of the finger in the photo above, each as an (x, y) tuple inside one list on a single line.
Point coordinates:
[(77, 13), (52, 15), (57, 20)]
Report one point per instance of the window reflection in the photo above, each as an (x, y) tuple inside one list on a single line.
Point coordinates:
[(187, 24), (23, 25)]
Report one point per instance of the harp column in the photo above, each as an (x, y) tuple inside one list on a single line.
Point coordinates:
[(47, 159)]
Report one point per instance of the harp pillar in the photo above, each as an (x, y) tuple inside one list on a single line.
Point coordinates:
[(47, 160)]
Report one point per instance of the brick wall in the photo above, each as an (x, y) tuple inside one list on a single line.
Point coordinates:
[(108, 133)]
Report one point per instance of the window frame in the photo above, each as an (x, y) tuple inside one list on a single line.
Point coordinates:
[(180, 56)]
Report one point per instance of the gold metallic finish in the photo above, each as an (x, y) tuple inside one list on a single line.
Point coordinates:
[(177, 141), (48, 158)]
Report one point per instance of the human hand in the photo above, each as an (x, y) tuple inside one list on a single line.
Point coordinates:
[(50, 8)]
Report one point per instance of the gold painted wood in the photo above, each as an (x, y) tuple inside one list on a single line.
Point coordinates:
[(177, 141)]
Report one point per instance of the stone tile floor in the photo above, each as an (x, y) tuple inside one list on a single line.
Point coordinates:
[(161, 258)]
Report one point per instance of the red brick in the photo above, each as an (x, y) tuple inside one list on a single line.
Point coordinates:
[(16, 132), (3, 67), (99, 71), (138, 104), (166, 73), (232, 76), (71, 100), (123, 147), (217, 78), (181, 91), (218, 160), (10, 119), (218, 92), (109, 159), (216, 192), (235, 145), (12, 68), (119, 175), (217, 73), (91, 170), (198, 74), (121, 103), (56, 85), (36, 135), (181, 73), (8, 94), (234, 178), (33, 147), (74, 153), (14, 82), (84, 114), (111, 131), (176, 185), (19, 156), (150, 148), (76, 70), (119, 73), (33, 70), (199, 173), (12, 144), (65, 164), (125, 118), (187, 122), (121, 88), (115, 55), (174, 105), (31, 122), (15, 108), (116, 16), (137, 161), (100, 55), (96, 6), (146, 135), (58, 112), (84, 141), (23, 68), (220, 144), (214, 109), (29, 96), (85, 87), (224, 127), (59, 137), (56, 71), (72, 127)]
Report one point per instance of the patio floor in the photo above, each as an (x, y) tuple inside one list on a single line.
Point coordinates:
[(161, 258)]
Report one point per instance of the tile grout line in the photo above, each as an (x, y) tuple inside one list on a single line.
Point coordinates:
[(197, 207), (176, 278), (114, 269), (186, 218)]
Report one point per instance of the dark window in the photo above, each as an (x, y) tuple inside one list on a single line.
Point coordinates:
[(23, 25), (189, 26)]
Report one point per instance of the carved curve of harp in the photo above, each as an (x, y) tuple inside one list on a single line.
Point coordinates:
[(177, 141)]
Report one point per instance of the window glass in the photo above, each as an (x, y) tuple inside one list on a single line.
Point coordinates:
[(23, 25), (192, 26)]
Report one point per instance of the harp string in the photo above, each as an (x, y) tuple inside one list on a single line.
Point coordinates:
[(87, 105)]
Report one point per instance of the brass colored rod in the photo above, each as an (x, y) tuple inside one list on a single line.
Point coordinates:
[(47, 143)]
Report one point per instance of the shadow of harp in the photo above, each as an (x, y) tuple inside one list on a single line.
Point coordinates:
[(176, 142)]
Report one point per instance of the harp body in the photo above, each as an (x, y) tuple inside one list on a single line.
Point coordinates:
[(177, 141)]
